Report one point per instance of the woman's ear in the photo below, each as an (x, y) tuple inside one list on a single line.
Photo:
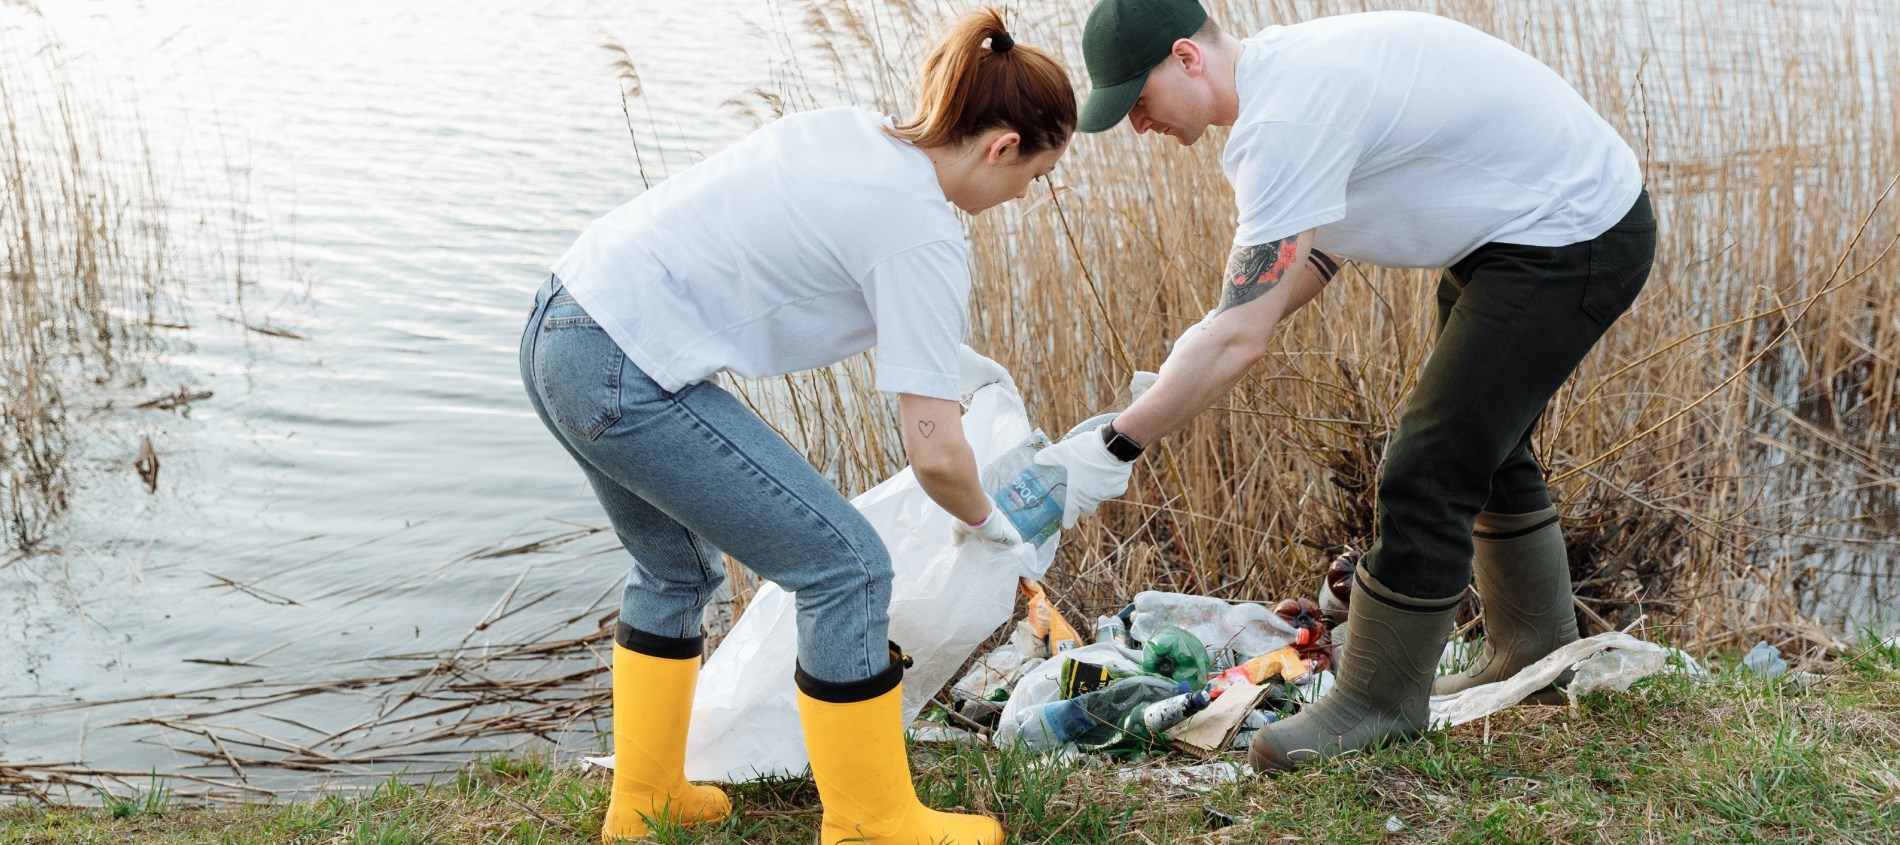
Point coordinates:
[(1000, 148)]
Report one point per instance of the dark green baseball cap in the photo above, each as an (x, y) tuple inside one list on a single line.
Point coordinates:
[(1122, 41)]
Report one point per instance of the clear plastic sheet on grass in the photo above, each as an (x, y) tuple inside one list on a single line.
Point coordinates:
[(1606, 661)]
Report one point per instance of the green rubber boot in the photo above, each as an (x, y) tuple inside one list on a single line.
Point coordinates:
[(1385, 678), (1523, 579)]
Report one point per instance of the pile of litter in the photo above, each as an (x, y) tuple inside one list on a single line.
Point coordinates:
[(1190, 673), (1169, 669)]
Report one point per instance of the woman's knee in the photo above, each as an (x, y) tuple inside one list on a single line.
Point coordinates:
[(852, 561), (868, 568)]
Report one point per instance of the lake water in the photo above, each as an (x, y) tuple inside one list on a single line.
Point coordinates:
[(402, 174), (406, 172)]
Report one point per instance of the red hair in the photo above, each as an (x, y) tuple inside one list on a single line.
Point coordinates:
[(977, 78)]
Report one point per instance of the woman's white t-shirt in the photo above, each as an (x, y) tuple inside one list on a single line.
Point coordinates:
[(811, 240), (1410, 140)]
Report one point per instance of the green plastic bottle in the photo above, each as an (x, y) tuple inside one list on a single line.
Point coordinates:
[(1176, 654)]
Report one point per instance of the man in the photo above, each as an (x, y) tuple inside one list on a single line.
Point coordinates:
[(1403, 140)]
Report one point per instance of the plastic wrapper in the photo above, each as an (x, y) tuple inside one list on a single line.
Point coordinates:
[(990, 673), (1249, 629)]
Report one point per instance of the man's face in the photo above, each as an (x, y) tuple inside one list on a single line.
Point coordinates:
[(1176, 101)]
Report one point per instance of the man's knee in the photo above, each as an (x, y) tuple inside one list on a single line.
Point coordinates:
[(1436, 480)]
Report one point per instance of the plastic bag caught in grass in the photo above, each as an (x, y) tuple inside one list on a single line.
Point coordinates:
[(1605, 661), (1765, 661), (946, 600)]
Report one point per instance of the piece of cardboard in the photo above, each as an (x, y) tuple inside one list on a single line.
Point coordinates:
[(1209, 731)]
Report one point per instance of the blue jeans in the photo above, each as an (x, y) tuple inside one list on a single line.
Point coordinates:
[(686, 475)]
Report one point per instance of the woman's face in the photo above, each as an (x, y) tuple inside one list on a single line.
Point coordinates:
[(1002, 173)]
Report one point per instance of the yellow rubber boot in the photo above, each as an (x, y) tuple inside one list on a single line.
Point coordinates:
[(855, 734), (653, 701)]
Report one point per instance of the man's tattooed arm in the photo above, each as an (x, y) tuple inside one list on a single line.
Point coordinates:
[(1254, 270), (1325, 266)]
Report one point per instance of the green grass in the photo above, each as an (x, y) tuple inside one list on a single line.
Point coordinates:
[(140, 802), (1731, 759)]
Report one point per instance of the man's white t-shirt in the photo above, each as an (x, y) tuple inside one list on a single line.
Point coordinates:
[(1410, 140), (811, 240)]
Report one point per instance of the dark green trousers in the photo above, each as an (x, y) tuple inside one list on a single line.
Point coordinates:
[(1513, 324)]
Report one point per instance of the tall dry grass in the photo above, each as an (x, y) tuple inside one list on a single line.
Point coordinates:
[(83, 247), (1724, 460)]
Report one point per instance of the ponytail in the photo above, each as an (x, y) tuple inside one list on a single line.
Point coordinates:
[(978, 78)]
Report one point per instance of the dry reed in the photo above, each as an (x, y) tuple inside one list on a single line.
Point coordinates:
[(83, 231), (1725, 459)]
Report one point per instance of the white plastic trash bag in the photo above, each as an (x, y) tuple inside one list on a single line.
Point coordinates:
[(947, 598)]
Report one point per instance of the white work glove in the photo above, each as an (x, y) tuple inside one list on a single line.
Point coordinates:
[(1095, 475), (995, 531), (975, 371)]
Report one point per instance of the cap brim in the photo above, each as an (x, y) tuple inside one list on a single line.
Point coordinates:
[(1106, 107)]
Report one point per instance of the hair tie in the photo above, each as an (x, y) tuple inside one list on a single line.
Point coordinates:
[(1001, 42)]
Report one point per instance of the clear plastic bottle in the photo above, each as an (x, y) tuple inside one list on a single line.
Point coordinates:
[(1093, 719), (1249, 629), (1031, 494), (1050, 726)]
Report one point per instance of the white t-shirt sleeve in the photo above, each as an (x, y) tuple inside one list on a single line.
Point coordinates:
[(1287, 178), (920, 300)]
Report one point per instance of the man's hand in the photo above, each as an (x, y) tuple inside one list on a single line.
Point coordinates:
[(995, 531), (1094, 475)]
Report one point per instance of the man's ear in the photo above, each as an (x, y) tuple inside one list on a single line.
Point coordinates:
[(1000, 147), (1189, 55)]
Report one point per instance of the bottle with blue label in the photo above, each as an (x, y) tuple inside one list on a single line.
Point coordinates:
[(1031, 494)]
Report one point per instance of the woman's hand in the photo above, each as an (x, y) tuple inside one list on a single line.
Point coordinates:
[(995, 531)]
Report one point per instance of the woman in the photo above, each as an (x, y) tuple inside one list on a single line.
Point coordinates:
[(809, 241)]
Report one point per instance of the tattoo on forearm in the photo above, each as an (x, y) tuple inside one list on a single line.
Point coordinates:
[(1254, 270), (927, 427), (1325, 265)]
